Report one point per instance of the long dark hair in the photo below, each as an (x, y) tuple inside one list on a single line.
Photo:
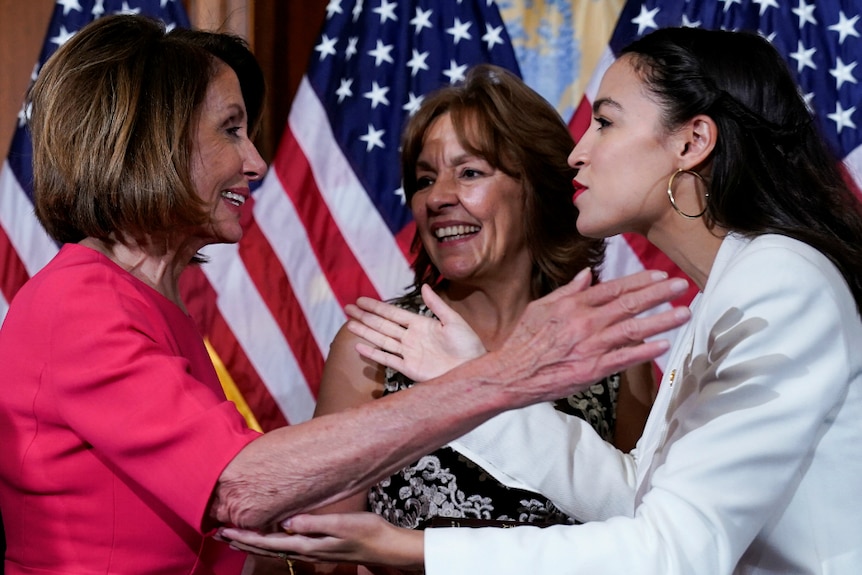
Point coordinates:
[(772, 171)]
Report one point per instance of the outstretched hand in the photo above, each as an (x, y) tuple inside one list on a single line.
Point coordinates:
[(563, 343), (579, 333), (364, 538), (420, 347)]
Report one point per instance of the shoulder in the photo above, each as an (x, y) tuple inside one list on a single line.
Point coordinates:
[(777, 267), (782, 293), (348, 379), (81, 288)]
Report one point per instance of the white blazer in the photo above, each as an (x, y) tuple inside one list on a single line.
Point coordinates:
[(750, 462)]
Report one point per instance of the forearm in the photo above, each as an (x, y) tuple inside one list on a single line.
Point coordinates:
[(563, 343), (301, 467)]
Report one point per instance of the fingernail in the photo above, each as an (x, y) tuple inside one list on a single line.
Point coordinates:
[(678, 285), (658, 275)]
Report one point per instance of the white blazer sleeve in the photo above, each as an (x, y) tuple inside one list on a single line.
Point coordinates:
[(761, 456), (558, 455)]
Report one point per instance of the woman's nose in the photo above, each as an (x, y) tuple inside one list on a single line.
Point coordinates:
[(577, 157), (442, 194), (254, 167)]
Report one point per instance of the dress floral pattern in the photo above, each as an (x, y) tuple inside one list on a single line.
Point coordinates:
[(446, 484)]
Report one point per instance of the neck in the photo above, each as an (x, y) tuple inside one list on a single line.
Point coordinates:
[(158, 268), (690, 245), (492, 311)]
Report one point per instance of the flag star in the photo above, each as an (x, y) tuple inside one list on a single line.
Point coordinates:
[(163, 3), (729, 3), (62, 36), (808, 97), (764, 4), (805, 13), (24, 114), (843, 72), (373, 138), (418, 62), (686, 23), (386, 10), (413, 103), (845, 27), (334, 7), (646, 19), (98, 9), (351, 49), (422, 19), (493, 36), (455, 73), (459, 31), (842, 117), (126, 9), (344, 89), (377, 95), (69, 5), (382, 53), (326, 47), (803, 57), (357, 10), (400, 193)]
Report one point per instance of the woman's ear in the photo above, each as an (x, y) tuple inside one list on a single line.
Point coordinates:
[(697, 140)]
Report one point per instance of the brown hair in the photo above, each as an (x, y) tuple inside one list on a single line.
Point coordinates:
[(498, 117), (112, 123)]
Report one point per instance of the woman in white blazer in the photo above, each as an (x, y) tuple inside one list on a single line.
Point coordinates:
[(752, 456)]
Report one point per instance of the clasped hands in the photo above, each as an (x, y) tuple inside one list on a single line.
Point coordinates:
[(563, 343)]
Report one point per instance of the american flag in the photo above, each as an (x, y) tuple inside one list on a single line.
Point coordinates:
[(328, 222)]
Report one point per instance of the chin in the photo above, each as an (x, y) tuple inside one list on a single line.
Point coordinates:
[(590, 231)]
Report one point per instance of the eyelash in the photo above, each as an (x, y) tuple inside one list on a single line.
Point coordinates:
[(603, 123)]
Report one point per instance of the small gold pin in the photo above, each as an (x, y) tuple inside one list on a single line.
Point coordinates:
[(671, 377)]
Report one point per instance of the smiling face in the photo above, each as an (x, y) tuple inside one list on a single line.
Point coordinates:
[(224, 159), (469, 215), (624, 159)]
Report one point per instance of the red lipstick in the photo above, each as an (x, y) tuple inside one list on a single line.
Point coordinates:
[(579, 189)]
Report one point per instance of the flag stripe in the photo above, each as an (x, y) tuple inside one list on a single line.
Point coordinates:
[(354, 217), (33, 245), (274, 286), (286, 234), (13, 274), (247, 316)]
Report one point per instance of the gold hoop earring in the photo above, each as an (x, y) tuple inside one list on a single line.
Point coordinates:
[(673, 202)]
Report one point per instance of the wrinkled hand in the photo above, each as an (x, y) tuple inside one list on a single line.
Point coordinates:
[(364, 538), (419, 347), (579, 334)]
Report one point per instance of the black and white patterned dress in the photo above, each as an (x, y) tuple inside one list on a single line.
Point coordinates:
[(447, 484)]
